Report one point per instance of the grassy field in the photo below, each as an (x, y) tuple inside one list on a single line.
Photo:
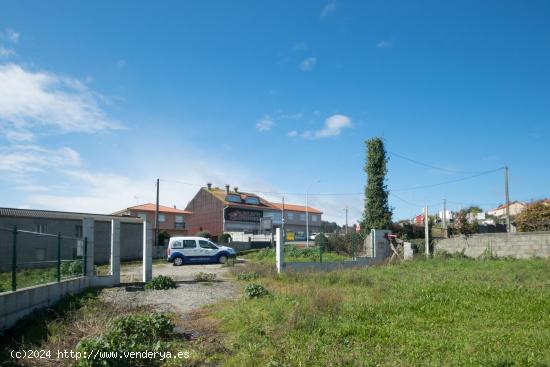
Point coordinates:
[(294, 254), (452, 312)]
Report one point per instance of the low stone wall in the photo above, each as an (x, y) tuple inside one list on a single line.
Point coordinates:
[(18, 304), (520, 245)]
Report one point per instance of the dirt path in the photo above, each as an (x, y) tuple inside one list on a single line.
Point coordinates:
[(188, 295)]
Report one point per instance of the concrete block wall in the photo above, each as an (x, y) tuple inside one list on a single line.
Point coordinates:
[(520, 245), (18, 304)]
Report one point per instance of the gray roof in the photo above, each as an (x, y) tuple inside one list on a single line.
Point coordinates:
[(31, 213)]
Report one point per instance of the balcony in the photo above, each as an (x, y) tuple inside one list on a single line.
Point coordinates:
[(179, 225)]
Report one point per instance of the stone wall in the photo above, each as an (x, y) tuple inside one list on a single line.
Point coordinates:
[(518, 245)]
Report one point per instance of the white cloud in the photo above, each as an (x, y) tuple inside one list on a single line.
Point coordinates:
[(265, 124), (20, 159), (308, 64), (327, 9), (333, 127), (11, 35), (292, 133), (292, 116), (385, 44), (6, 52), (31, 100)]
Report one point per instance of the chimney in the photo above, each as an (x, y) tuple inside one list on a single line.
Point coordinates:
[(209, 185), (227, 188), (236, 189), (174, 207)]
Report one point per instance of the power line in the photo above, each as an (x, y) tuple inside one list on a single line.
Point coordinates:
[(429, 165), (449, 182)]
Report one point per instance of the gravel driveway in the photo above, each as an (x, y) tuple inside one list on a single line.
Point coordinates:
[(187, 296)]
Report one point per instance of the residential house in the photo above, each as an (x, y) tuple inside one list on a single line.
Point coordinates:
[(516, 207)]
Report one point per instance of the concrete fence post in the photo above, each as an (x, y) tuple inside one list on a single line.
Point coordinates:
[(147, 252), (88, 233), (279, 250), (115, 250)]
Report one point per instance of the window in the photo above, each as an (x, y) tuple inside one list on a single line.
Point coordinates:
[(233, 198), (41, 228), (142, 216), (302, 216), (207, 244), (162, 218), (189, 244), (177, 244), (290, 216), (252, 200), (40, 254), (78, 231), (179, 222), (314, 218)]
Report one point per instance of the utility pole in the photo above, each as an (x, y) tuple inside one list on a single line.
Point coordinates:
[(507, 194), (283, 219), (426, 232), (445, 214), (346, 209), (157, 216), (307, 222)]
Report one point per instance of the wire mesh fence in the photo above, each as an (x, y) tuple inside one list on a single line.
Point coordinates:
[(31, 258)]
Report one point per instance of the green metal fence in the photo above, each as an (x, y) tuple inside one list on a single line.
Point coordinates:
[(326, 248), (30, 258)]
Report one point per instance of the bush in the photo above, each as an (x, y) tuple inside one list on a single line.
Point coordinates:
[(204, 234), (536, 217), (205, 277), (161, 282), (225, 238), (72, 268), (229, 263), (133, 333), (255, 291), (247, 275)]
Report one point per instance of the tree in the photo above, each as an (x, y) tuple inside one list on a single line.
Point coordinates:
[(329, 227), (377, 212), (536, 217)]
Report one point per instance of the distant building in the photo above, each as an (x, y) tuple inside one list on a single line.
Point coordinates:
[(516, 207), (449, 216), (172, 220), (240, 213)]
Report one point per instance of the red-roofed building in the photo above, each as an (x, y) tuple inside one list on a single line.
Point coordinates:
[(172, 220), (240, 214)]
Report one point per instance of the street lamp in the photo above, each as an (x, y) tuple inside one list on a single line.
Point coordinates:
[(307, 211)]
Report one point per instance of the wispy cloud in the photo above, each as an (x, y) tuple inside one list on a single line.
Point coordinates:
[(266, 123), (6, 52), (327, 9), (292, 133), (385, 44), (308, 64), (32, 158), (31, 101), (299, 46), (292, 116), (333, 127), (10, 35)]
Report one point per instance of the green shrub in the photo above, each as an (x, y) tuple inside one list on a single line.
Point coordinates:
[(255, 291), (225, 238), (229, 263), (536, 217), (205, 277), (161, 282), (247, 275), (133, 333), (72, 268), (204, 234)]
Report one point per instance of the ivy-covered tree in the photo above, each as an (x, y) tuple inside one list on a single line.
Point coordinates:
[(536, 217), (377, 213)]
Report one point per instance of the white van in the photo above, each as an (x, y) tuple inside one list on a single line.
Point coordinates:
[(186, 250)]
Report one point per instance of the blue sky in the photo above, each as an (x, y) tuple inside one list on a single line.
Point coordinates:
[(98, 99)]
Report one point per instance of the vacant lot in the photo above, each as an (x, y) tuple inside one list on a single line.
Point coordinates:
[(439, 312)]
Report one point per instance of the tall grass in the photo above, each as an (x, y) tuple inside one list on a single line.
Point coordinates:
[(452, 312)]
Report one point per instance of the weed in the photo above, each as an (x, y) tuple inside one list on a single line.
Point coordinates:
[(205, 277), (161, 282), (255, 291)]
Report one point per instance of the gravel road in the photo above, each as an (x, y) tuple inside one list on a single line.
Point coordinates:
[(188, 295)]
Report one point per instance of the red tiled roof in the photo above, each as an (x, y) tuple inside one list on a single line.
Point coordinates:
[(162, 209), (297, 208)]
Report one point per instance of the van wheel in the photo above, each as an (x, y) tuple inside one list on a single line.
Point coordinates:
[(178, 261), (222, 259)]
